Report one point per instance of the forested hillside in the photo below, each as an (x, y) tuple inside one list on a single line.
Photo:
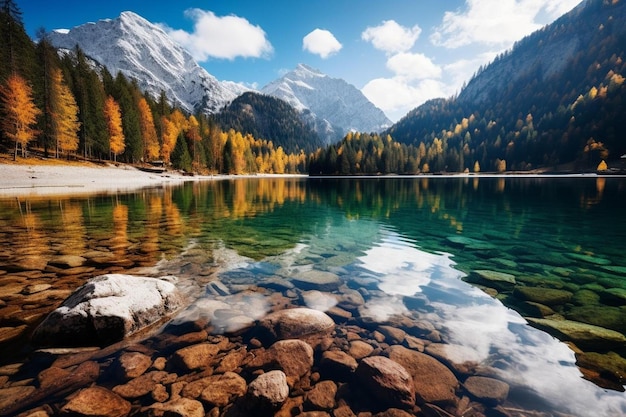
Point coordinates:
[(263, 116), (66, 107), (556, 101), (557, 97)]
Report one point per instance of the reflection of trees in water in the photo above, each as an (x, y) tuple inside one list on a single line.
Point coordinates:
[(278, 211)]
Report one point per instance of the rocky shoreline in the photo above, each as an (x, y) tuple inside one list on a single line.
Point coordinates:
[(295, 361)]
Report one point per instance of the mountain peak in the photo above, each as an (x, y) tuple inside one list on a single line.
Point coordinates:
[(304, 71), (143, 51), (332, 105)]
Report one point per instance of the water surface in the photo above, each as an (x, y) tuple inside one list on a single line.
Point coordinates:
[(412, 246)]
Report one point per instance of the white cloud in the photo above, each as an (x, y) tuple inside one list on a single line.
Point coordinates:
[(392, 37), (321, 42), (413, 66), (223, 37), (396, 96), (496, 22)]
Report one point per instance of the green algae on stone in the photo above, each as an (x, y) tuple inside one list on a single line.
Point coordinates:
[(585, 336), (596, 260), (546, 296), (499, 280)]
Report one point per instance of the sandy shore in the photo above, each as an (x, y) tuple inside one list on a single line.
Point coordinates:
[(40, 180)]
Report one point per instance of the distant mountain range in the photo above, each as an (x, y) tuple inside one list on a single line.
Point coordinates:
[(142, 51)]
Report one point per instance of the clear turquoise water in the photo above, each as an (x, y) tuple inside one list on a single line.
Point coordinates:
[(411, 243)]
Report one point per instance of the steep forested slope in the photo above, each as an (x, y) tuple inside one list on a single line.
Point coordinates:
[(557, 97)]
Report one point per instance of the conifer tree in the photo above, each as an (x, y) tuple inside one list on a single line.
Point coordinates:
[(123, 93), (89, 93), (17, 52), (47, 60), (19, 112), (64, 115), (180, 155), (113, 118)]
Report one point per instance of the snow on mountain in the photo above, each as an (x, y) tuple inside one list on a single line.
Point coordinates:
[(143, 51), (331, 105)]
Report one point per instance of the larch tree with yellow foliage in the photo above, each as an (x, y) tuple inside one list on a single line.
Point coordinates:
[(169, 135), (151, 148), (19, 112), (113, 117), (193, 133), (65, 124)]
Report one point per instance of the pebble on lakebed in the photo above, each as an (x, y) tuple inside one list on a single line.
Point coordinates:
[(294, 360), (291, 361)]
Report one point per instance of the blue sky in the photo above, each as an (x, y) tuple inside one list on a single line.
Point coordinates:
[(400, 53)]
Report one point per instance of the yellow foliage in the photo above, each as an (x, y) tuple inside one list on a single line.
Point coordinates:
[(64, 114), (151, 148), (18, 110), (113, 117), (602, 166)]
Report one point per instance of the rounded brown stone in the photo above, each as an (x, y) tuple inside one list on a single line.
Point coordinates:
[(489, 390), (434, 382), (223, 389), (322, 396), (132, 364), (387, 381), (97, 401)]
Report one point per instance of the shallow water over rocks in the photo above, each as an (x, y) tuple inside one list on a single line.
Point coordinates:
[(444, 268)]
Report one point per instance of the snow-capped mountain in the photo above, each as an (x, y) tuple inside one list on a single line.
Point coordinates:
[(333, 106), (143, 51)]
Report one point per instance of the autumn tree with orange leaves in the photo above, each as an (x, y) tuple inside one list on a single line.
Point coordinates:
[(19, 112), (113, 117)]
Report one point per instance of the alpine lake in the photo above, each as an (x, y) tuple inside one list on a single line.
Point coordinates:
[(519, 279)]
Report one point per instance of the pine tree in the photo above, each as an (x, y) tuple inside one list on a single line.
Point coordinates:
[(19, 112), (64, 115), (113, 118), (47, 60), (122, 91), (89, 93), (180, 155), (17, 52)]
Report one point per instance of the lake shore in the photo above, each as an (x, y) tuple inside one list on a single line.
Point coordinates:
[(34, 180)]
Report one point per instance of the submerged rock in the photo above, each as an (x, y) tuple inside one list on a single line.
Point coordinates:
[(583, 335), (293, 357), (545, 296), (387, 381), (97, 401), (434, 382), (492, 391), (268, 391), (317, 280), (499, 280), (295, 323)]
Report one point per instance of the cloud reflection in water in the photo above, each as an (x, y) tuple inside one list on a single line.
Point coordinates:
[(480, 329)]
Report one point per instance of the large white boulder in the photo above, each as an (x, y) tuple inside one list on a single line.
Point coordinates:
[(107, 309)]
